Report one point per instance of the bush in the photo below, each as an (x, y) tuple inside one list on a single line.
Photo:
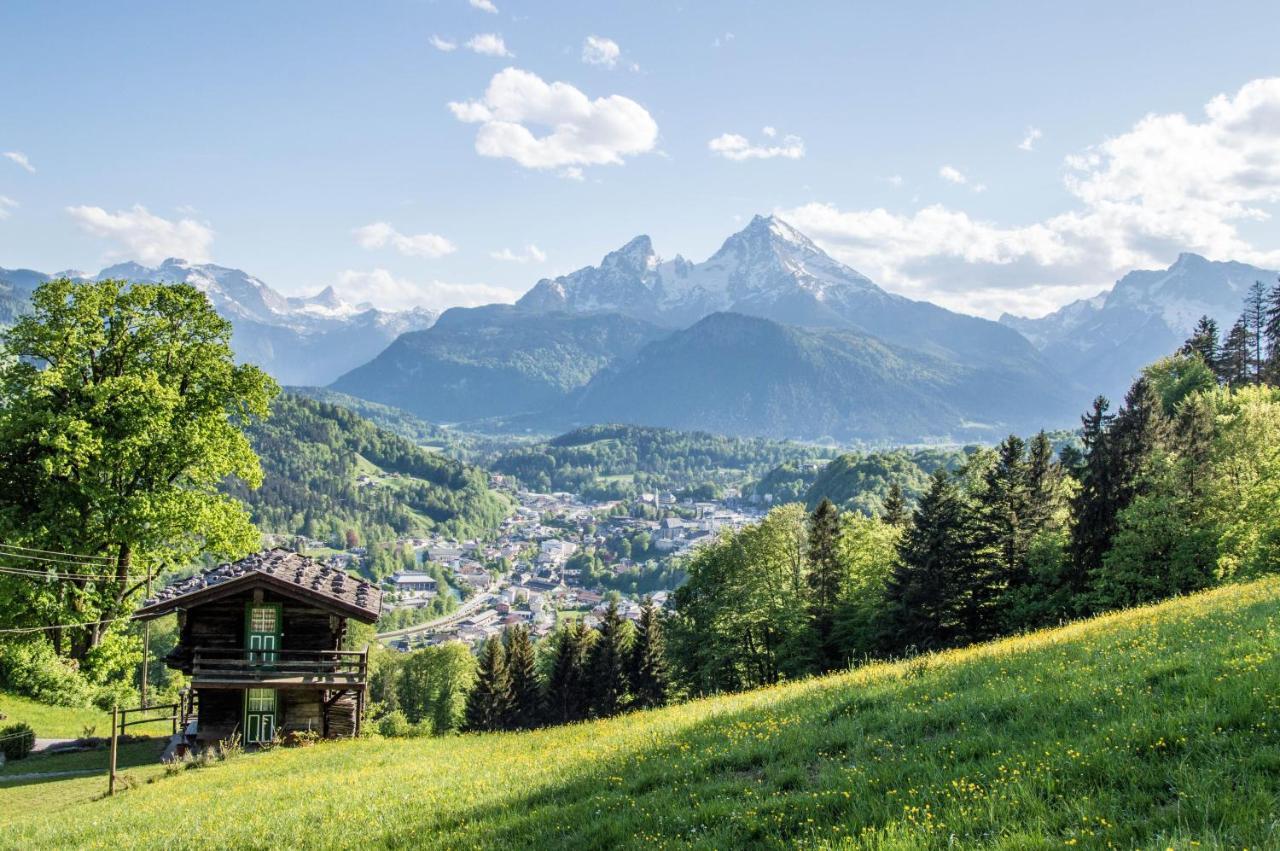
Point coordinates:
[(118, 693), (33, 669), (394, 725), (17, 740)]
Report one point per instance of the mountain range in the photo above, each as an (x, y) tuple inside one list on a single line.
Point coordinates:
[(769, 336), (298, 340), (1105, 340)]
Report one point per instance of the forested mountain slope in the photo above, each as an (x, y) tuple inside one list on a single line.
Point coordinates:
[(1152, 727), (326, 469)]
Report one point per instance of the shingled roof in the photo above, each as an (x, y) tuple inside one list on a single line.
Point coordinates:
[(287, 572)]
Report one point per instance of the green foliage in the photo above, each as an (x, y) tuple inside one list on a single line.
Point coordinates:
[(426, 687), (862, 482), (740, 617), (607, 663), (694, 462), (567, 694), (34, 669), (491, 703), (526, 689), (868, 548), (650, 675), (17, 740), (313, 454), (124, 411)]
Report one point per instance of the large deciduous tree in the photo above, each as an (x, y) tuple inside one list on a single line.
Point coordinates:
[(123, 411)]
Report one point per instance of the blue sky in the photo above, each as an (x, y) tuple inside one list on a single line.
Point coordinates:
[(314, 143)]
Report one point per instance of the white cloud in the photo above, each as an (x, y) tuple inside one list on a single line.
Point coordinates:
[(1029, 139), (484, 6), (581, 131), (7, 206), (597, 50), (21, 159), (572, 173), (1169, 184), (721, 40), (383, 289), (894, 180), (738, 148), (954, 175), (488, 44), (145, 237), (382, 234), (443, 44), (530, 254)]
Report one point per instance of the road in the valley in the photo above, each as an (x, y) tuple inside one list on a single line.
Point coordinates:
[(466, 610)]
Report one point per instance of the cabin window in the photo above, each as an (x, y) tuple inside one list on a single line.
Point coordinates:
[(262, 700), (263, 619), (259, 715)]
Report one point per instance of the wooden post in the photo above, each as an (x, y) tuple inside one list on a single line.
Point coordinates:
[(111, 779), (146, 642)]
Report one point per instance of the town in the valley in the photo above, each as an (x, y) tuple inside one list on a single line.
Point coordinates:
[(557, 556)]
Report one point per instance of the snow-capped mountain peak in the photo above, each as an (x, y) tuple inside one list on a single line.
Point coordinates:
[(765, 264)]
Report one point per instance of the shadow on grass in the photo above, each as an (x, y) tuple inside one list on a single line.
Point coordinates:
[(130, 755)]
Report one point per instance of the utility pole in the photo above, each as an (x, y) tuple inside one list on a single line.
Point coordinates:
[(146, 642)]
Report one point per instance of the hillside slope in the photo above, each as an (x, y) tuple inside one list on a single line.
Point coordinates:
[(1153, 727), (326, 469)]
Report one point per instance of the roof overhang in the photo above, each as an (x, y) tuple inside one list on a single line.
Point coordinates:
[(249, 581)]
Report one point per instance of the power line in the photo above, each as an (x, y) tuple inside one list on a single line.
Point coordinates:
[(70, 561), (55, 552), (65, 625), (52, 573)]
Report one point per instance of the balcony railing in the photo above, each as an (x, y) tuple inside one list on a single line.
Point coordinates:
[(236, 666)]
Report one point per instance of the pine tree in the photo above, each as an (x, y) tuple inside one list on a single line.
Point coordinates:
[(489, 706), (1043, 478), (650, 677), (1004, 510), (1204, 342), (1092, 509), (1271, 331), (895, 507), (1255, 320), (927, 601), (567, 697), (526, 692), (1233, 365), (608, 663), (824, 582)]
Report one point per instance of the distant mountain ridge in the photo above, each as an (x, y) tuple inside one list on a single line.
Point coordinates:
[(1104, 341), (309, 340), (768, 337)]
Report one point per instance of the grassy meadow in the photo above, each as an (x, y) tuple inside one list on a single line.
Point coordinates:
[(1155, 727)]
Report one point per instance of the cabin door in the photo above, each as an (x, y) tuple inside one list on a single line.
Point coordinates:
[(262, 632), (259, 715)]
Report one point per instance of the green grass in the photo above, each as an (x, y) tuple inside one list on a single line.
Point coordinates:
[(64, 722), (1152, 728), (136, 761)]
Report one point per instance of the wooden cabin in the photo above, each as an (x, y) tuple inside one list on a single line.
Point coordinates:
[(261, 640)]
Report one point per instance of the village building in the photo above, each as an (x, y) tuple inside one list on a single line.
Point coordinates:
[(261, 640)]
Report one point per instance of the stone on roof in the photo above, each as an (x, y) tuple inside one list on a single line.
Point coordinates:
[(312, 577)]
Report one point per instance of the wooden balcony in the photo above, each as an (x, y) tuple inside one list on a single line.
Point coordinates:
[(238, 668)]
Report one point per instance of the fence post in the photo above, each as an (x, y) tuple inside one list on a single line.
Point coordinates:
[(111, 780)]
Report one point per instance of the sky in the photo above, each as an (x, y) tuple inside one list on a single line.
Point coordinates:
[(990, 157)]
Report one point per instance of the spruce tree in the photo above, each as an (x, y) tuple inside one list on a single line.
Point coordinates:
[(608, 662), (567, 697), (895, 507), (1004, 510), (1092, 509), (824, 582), (1204, 342), (526, 692), (1271, 331), (650, 677), (1255, 320), (1233, 365), (489, 705), (927, 603)]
